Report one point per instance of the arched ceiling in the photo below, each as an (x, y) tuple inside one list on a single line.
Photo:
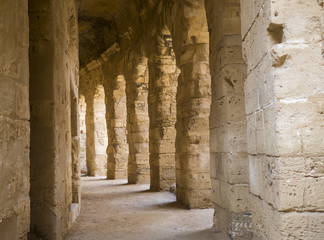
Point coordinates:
[(102, 22)]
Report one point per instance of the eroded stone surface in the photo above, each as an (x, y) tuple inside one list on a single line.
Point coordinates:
[(147, 65)]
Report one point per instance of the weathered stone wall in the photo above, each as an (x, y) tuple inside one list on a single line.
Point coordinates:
[(282, 46), (53, 70), (14, 120), (229, 159)]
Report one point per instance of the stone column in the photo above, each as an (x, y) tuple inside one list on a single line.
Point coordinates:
[(51, 150), (162, 110), (138, 123), (100, 137), (90, 134), (282, 45), (73, 55), (191, 41), (116, 125), (83, 148), (75, 136), (229, 159)]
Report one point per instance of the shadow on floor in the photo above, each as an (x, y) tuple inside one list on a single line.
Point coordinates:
[(207, 234)]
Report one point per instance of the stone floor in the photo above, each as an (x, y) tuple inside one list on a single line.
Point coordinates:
[(112, 209)]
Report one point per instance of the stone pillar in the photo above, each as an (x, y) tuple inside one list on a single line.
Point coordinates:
[(162, 111), (282, 45), (100, 127), (229, 159), (90, 134), (97, 140), (116, 125), (51, 148), (73, 55), (138, 123), (83, 148), (75, 136), (191, 42)]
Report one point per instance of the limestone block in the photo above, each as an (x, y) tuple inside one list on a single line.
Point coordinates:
[(235, 198), (231, 167), (314, 166), (237, 137), (8, 96), (218, 113), (270, 224), (237, 226), (303, 57), (198, 161), (265, 81), (284, 193), (235, 105), (303, 121), (260, 132), (230, 79), (257, 41), (251, 134), (271, 143), (251, 92), (309, 28)]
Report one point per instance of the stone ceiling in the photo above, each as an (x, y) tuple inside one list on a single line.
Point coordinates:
[(102, 22)]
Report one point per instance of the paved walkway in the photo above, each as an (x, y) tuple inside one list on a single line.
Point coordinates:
[(112, 209)]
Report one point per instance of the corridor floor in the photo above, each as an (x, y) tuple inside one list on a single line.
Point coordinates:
[(112, 209)]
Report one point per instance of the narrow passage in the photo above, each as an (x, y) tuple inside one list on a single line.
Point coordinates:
[(113, 209)]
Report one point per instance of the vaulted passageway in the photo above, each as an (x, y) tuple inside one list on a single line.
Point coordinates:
[(220, 101)]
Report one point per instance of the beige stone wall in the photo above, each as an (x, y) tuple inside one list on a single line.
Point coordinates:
[(53, 74), (228, 140), (282, 46), (14, 120)]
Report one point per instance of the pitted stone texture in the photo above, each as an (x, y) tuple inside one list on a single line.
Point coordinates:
[(117, 150), (14, 120), (284, 94), (162, 110), (53, 75), (138, 121), (191, 45), (229, 158)]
